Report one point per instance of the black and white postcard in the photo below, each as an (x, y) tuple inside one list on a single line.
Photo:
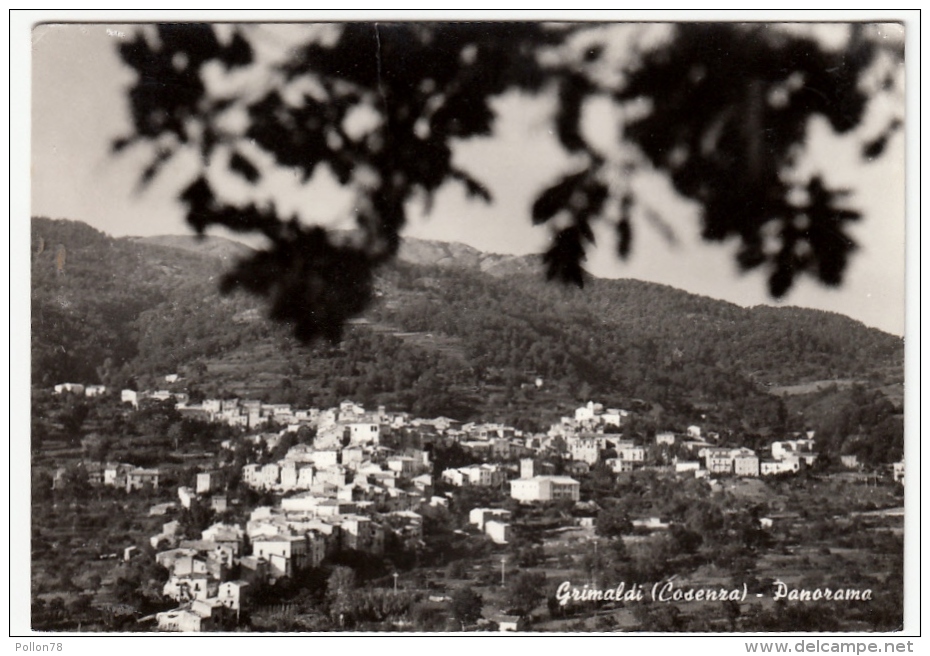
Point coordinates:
[(449, 326)]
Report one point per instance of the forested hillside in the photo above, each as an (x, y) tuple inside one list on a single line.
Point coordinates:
[(449, 337), (95, 301)]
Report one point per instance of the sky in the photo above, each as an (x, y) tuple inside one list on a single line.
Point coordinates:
[(79, 107)]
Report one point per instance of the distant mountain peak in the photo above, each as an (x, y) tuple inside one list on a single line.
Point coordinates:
[(210, 245), (463, 256)]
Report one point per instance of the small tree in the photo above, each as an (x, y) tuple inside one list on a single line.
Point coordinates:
[(466, 606), (195, 519), (456, 570), (339, 590), (73, 483), (306, 435), (96, 446), (72, 419), (525, 591), (287, 441), (428, 617), (175, 434), (612, 523)]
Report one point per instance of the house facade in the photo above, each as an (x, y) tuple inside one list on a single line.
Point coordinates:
[(545, 488)]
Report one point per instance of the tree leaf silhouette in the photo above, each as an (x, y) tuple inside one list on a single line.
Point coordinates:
[(727, 111)]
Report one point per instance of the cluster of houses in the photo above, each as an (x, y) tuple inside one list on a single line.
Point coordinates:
[(210, 577), (135, 398), (118, 475), (204, 577), (80, 390), (329, 495), (493, 522), (483, 475), (356, 472), (332, 495), (349, 462), (787, 456)]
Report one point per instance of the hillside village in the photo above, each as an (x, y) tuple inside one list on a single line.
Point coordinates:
[(321, 423), (479, 462), (357, 480)]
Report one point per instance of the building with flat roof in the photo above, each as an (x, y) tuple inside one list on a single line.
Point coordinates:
[(545, 488)]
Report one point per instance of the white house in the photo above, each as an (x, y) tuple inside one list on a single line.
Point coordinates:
[(630, 452), (296, 476), (285, 553), (787, 448), (618, 465), (256, 418), (898, 471), (364, 433), (362, 534), (613, 417), (499, 532), (187, 587), (305, 502), (232, 594), (453, 477), (353, 456), (168, 533), (348, 408), (850, 461), (326, 458), (402, 465), (209, 481), (423, 482), (186, 496), (484, 475), (746, 465), (589, 411), (480, 516), (140, 478), (181, 620), (585, 449), (262, 476), (665, 437), (229, 535), (545, 488), (785, 465), (114, 474), (508, 623), (718, 462), (722, 460)]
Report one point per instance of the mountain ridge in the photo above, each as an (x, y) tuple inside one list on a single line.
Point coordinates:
[(115, 309), (412, 250), (429, 252)]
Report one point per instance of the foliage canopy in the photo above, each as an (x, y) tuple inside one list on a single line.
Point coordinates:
[(722, 110)]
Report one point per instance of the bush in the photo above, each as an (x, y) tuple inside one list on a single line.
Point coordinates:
[(429, 617), (456, 570)]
